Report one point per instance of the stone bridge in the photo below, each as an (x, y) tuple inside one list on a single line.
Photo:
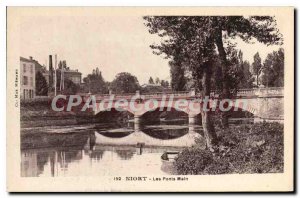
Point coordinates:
[(266, 104)]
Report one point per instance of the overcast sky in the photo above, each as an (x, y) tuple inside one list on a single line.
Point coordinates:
[(114, 44)]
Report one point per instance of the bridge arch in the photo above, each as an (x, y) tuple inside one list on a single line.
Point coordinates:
[(263, 103), (166, 113), (246, 105), (119, 109), (115, 134), (166, 133), (114, 114)]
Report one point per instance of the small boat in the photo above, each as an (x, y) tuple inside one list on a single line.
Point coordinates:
[(169, 155)]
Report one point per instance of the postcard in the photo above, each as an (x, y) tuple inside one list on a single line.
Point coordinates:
[(150, 99)]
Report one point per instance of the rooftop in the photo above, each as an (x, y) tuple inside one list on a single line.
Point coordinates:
[(71, 71), (26, 60)]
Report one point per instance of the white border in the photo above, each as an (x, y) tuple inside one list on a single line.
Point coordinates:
[(5, 3)]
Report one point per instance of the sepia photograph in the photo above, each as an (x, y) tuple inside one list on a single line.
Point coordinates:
[(139, 99)]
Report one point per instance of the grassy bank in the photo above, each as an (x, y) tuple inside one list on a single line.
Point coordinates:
[(40, 113), (46, 140), (256, 148)]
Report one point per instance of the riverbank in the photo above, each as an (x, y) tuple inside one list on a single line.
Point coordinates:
[(48, 140), (256, 148), (39, 114)]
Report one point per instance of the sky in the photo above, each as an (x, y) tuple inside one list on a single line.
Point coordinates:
[(112, 43)]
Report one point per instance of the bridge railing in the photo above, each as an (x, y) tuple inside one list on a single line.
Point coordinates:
[(271, 91), (160, 94), (246, 92), (185, 94), (240, 92), (256, 91)]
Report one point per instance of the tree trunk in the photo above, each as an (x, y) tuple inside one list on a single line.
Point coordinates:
[(208, 128), (225, 82)]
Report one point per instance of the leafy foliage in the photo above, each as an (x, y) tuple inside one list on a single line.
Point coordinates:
[(245, 149), (186, 34), (193, 161), (70, 87), (95, 83), (178, 79), (191, 42), (41, 84), (151, 89), (164, 83), (157, 81), (239, 74), (257, 67), (151, 81), (246, 78), (63, 65), (273, 69), (125, 83)]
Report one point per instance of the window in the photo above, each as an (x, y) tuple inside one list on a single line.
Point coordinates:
[(30, 93), (25, 80), (31, 81), (31, 69), (24, 68)]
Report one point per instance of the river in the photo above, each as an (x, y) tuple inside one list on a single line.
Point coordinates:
[(104, 149)]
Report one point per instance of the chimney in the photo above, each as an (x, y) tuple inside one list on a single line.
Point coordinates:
[(30, 57), (50, 71)]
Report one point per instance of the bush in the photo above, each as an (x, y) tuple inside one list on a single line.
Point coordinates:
[(242, 149), (193, 161)]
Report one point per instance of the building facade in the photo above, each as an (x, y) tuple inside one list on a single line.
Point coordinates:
[(27, 78), (72, 75)]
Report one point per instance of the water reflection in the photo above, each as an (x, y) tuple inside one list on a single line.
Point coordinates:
[(107, 160), (125, 154), (104, 150), (37, 162)]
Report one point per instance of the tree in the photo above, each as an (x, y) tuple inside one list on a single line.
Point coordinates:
[(164, 83), (41, 84), (181, 42), (98, 73), (151, 89), (167, 84), (70, 87), (125, 83), (246, 76), (257, 67), (240, 74), (261, 28), (60, 65), (178, 80), (217, 29), (157, 81), (151, 81), (234, 75), (273, 69), (95, 83), (63, 65)]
